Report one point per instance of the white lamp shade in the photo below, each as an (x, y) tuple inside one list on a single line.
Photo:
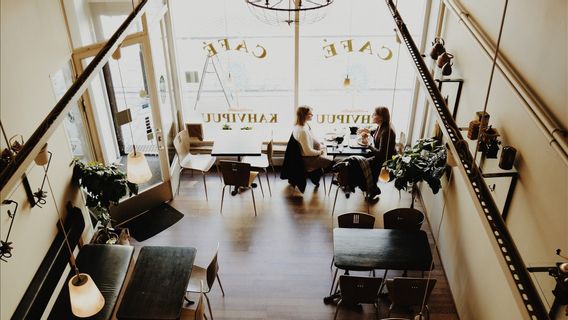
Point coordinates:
[(86, 299), (137, 169), (346, 82), (384, 176)]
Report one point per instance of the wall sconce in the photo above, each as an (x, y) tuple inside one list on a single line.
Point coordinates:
[(6, 246), (38, 198)]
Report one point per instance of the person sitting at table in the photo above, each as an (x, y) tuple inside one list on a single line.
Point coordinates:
[(313, 153), (384, 140)]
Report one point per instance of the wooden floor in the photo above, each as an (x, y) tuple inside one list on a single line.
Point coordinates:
[(277, 265)]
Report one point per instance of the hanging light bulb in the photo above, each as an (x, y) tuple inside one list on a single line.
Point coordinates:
[(346, 82), (384, 176), (86, 299), (137, 168)]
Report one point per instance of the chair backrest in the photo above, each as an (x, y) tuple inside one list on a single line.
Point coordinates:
[(235, 173), (343, 174), (359, 289), (270, 151), (213, 268), (406, 292), (181, 144), (403, 218), (356, 220), (200, 308)]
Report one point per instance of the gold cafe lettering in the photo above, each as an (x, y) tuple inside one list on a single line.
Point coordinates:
[(273, 118), (331, 49), (224, 44)]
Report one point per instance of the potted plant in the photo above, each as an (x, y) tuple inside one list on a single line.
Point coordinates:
[(104, 185), (425, 161)]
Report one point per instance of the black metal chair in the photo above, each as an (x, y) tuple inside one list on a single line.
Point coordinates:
[(403, 218), (409, 292), (355, 290)]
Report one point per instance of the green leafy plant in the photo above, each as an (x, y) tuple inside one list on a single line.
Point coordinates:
[(104, 185), (425, 161)]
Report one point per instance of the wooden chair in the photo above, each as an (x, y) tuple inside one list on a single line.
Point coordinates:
[(355, 290), (409, 292), (199, 312), (237, 174), (200, 275), (403, 218), (197, 162), (262, 162)]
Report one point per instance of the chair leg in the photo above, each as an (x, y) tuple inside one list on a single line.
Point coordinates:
[(334, 201), (219, 173), (260, 183), (323, 178), (337, 309), (208, 305), (333, 282), (384, 281), (205, 185), (179, 181), (253, 202), (222, 197), (268, 181), (332, 261), (220, 285)]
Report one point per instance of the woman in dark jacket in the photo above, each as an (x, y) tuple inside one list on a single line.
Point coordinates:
[(384, 140)]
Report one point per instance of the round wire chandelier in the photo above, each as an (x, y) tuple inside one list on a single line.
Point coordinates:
[(275, 12)]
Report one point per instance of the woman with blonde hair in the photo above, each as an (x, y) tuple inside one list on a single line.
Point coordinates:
[(313, 153)]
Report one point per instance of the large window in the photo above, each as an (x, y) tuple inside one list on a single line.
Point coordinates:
[(239, 71)]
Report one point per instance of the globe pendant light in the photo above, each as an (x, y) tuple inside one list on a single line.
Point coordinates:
[(137, 168)]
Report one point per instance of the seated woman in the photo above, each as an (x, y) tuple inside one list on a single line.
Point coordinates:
[(384, 140), (313, 153)]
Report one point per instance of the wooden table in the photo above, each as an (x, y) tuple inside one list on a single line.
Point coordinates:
[(157, 284), (349, 147), (369, 249), (237, 143)]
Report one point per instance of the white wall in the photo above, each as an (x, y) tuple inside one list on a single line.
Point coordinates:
[(535, 41), (34, 45)]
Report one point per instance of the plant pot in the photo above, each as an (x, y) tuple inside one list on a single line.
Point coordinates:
[(101, 237)]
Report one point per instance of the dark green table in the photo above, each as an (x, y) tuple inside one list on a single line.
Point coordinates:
[(158, 283)]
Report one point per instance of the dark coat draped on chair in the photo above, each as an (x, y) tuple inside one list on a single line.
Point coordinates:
[(293, 167)]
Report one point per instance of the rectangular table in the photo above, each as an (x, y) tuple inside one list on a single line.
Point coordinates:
[(157, 284), (237, 143), (367, 249)]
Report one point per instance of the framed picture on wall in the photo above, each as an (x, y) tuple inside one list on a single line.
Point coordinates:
[(451, 91)]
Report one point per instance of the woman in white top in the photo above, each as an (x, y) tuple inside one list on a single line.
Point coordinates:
[(313, 152)]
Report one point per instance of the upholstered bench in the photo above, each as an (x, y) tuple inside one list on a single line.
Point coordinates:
[(107, 265)]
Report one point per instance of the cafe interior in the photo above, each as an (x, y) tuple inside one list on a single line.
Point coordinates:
[(149, 170)]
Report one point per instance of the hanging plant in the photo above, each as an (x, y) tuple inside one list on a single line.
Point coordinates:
[(425, 161), (104, 186)]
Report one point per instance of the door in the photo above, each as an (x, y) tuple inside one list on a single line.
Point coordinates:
[(129, 106)]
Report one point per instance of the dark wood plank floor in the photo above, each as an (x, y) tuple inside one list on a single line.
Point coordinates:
[(277, 265)]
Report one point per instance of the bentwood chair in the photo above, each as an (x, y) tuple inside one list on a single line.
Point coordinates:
[(199, 312), (262, 162), (355, 290), (409, 292), (200, 275), (239, 175), (197, 162)]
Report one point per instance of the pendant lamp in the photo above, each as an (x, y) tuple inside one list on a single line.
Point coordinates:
[(137, 168), (85, 297), (346, 82)]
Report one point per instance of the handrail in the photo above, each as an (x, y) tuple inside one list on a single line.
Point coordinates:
[(10, 175), (537, 110), (503, 242)]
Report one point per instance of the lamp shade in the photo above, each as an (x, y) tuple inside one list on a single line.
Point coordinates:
[(137, 169), (346, 82), (86, 299), (42, 157), (384, 176)]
